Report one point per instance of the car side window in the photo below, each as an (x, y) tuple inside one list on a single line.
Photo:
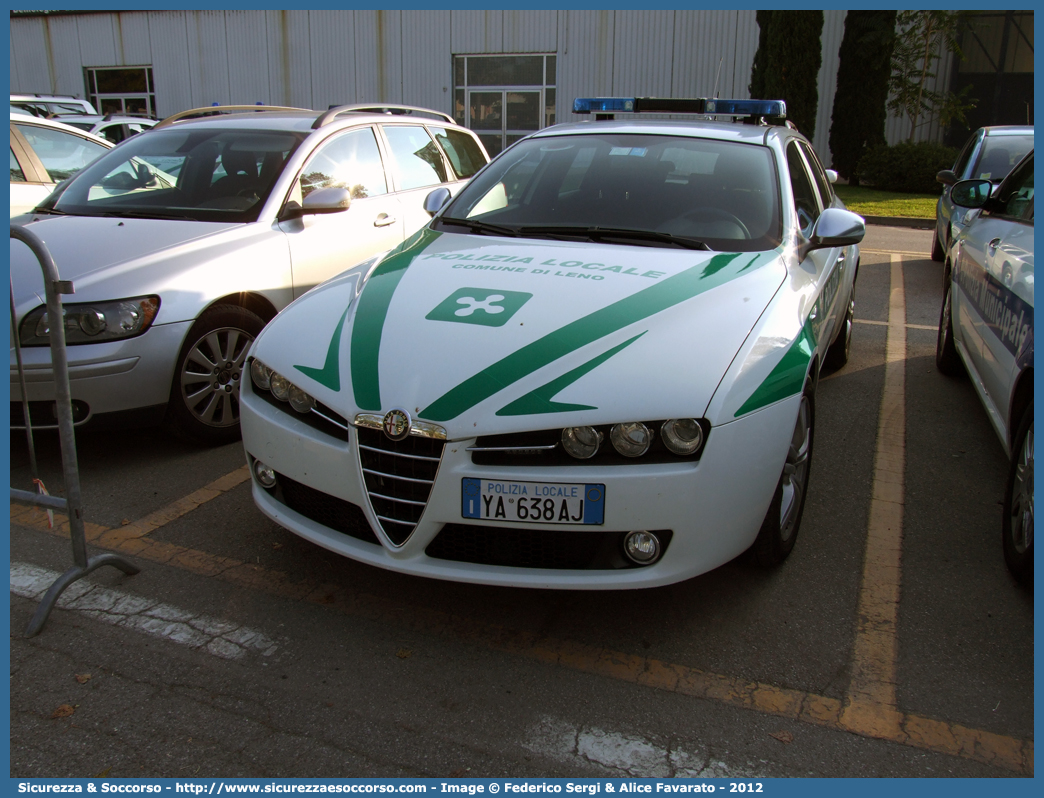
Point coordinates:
[(416, 159), (1017, 194), (464, 153), (826, 191), (17, 175), (805, 200), (61, 153), (352, 161)]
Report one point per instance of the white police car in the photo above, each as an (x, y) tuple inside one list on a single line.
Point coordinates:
[(595, 368), (986, 324)]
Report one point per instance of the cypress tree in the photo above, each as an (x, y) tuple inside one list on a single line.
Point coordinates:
[(857, 123), (786, 65)]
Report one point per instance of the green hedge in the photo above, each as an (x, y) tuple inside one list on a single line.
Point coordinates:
[(906, 167)]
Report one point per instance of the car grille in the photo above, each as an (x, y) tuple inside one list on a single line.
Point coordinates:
[(324, 509), (399, 476), (533, 548)]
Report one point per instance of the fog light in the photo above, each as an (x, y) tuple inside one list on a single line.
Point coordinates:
[(265, 474), (581, 442), (642, 547)]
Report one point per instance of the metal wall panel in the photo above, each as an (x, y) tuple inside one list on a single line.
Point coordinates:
[(289, 59), (642, 53), (66, 57), (97, 40), (833, 31), (530, 31), (32, 70), (378, 56), (333, 61), (207, 57), (248, 58), (171, 69), (133, 39), (478, 31), (705, 56), (585, 62), (427, 63)]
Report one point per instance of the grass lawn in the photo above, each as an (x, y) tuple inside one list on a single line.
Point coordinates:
[(871, 202)]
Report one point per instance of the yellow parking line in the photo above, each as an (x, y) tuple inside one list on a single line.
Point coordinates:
[(918, 732), (907, 326), (870, 705), (922, 255)]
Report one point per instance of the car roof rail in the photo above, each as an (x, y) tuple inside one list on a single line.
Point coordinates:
[(215, 110), (379, 108)]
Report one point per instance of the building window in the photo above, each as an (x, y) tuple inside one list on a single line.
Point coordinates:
[(504, 97), (122, 90)]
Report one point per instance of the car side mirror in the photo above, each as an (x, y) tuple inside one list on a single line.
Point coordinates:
[(436, 200), (831, 175), (836, 228), (971, 193), (946, 177), (332, 199)]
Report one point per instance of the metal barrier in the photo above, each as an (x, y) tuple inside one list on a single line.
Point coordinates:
[(53, 288)]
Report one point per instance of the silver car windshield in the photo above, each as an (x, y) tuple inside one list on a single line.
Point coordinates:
[(650, 190), (202, 174)]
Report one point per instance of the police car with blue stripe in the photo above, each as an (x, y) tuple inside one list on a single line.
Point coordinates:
[(986, 327)]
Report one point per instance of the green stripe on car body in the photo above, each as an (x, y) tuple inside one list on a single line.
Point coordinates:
[(523, 362), (539, 400), (371, 314), (788, 377), (330, 374)]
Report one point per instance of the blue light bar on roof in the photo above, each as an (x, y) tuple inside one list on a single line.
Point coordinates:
[(678, 105)]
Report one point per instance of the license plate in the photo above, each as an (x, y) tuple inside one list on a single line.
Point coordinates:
[(533, 502)]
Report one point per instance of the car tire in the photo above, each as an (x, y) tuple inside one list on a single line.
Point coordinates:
[(938, 253), (204, 396), (779, 530), (1017, 524), (837, 354), (946, 358)]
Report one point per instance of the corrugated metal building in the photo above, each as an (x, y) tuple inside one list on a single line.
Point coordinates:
[(501, 72)]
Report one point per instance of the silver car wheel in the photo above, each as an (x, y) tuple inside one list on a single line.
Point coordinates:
[(212, 374)]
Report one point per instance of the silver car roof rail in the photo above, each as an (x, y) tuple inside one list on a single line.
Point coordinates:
[(224, 109), (380, 108)]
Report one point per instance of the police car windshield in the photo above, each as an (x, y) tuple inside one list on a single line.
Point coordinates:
[(724, 194), (206, 174)]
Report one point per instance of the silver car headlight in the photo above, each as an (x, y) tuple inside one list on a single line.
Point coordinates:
[(280, 387), (92, 322)]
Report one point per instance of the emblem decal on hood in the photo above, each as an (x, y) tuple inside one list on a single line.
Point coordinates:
[(330, 374), (479, 306)]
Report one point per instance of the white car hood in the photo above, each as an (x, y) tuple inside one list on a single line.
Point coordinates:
[(602, 333), (89, 250)]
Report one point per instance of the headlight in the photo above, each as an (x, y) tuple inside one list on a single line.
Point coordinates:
[(631, 439), (92, 322), (281, 388), (581, 442), (682, 435)]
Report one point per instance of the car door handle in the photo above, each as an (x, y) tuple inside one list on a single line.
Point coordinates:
[(383, 220), (992, 246)]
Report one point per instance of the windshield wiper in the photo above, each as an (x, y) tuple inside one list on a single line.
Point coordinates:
[(476, 226), (53, 211), (597, 233), (145, 215)]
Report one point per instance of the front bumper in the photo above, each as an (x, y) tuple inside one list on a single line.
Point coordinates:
[(714, 508), (109, 377)]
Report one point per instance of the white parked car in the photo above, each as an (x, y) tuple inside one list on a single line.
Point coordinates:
[(43, 105), (111, 127), (44, 153), (184, 241), (595, 368), (986, 327)]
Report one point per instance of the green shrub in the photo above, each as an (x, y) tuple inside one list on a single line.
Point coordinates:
[(909, 167)]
